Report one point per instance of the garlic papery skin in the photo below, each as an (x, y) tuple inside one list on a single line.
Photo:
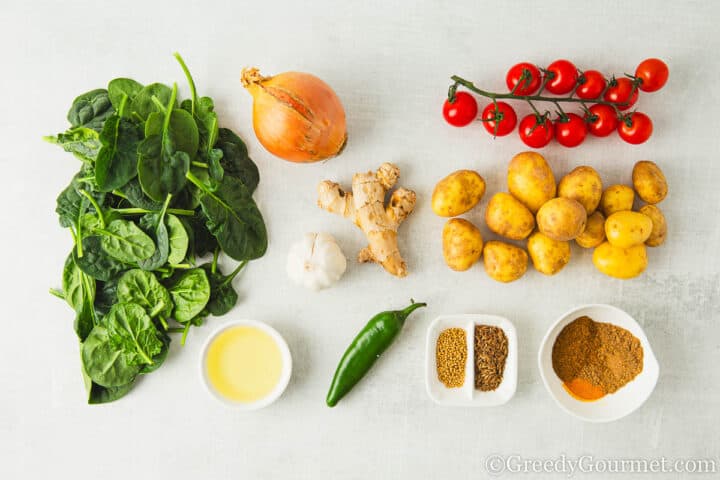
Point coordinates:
[(316, 261)]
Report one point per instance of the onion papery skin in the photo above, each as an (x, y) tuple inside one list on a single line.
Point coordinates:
[(296, 116)]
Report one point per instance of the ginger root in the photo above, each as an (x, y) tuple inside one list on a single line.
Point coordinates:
[(365, 206)]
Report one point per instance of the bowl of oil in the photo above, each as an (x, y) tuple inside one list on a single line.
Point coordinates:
[(246, 364)]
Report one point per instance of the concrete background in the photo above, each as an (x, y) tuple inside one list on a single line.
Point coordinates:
[(389, 61)]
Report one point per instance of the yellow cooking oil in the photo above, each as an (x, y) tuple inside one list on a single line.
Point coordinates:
[(243, 364)]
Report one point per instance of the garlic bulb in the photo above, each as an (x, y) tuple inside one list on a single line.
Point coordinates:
[(316, 261)]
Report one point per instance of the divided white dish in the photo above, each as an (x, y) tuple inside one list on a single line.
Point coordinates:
[(613, 406), (467, 395)]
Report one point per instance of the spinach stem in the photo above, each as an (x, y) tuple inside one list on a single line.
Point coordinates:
[(158, 103), (232, 276), (121, 108), (200, 164), (118, 193), (57, 293), (216, 254), (168, 111), (142, 211), (164, 208), (163, 322), (185, 332), (175, 330), (95, 205), (191, 82), (180, 266)]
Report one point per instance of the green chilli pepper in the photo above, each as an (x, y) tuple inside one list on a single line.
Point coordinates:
[(365, 349)]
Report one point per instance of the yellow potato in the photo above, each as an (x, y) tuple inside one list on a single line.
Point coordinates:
[(620, 262), (457, 193), (531, 180), (594, 233), (562, 219), (462, 244), (504, 262), (548, 256), (507, 216), (659, 228), (584, 185), (649, 182), (626, 229), (616, 198)]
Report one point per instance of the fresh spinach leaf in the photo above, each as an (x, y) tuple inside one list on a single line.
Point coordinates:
[(105, 363), (154, 226), (132, 332), (82, 142), (235, 159), (137, 198), (70, 206), (97, 394), (119, 87), (182, 127), (77, 285), (162, 168), (106, 295), (90, 110), (177, 238), (126, 242), (223, 296), (96, 262), (190, 293), (234, 219), (160, 357), (143, 104), (142, 288), (117, 160)]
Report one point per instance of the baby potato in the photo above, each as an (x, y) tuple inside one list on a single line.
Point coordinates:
[(594, 233), (617, 198), (507, 216), (462, 244), (584, 185), (626, 229), (504, 262), (531, 180), (649, 182), (659, 228), (457, 193), (548, 256), (562, 219), (620, 262)]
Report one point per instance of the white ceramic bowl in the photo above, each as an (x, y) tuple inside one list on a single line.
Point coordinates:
[(467, 395), (284, 374), (613, 406)]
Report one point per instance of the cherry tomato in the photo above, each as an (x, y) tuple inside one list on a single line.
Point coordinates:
[(535, 134), (619, 92), (654, 73), (602, 120), (504, 118), (570, 131), (462, 111), (563, 75), (591, 85), (636, 128), (528, 86)]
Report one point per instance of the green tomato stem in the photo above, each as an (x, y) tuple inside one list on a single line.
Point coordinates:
[(528, 98)]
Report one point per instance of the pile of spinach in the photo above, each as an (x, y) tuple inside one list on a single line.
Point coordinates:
[(160, 186)]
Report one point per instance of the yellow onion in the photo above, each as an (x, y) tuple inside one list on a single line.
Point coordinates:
[(296, 116)]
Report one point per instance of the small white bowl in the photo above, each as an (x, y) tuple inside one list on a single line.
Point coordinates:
[(612, 406), (284, 374), (467, 395)]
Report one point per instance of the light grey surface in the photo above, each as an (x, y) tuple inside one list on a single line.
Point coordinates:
[(389, 61)]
